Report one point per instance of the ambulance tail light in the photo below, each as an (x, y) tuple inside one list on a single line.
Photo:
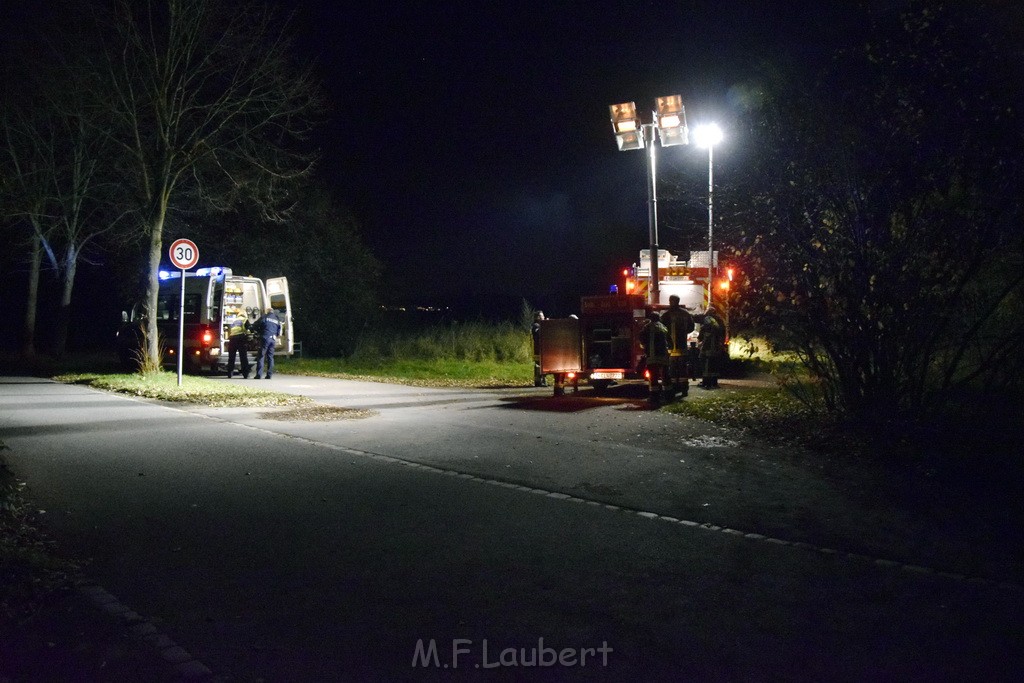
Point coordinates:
[(207, 337)]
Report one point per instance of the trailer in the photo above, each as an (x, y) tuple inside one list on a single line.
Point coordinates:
[(213, 297)]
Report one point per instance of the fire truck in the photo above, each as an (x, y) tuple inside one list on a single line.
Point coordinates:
[(213, 297), (603, 345)]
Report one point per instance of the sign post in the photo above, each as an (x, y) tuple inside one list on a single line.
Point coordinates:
[(184, 255)]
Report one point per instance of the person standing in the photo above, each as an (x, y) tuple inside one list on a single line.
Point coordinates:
[(238, 342), (539, 378), (655, 341), (269, 327), (679, 323), (712, 346)]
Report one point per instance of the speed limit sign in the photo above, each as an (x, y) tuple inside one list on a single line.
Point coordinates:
[(184, 254)]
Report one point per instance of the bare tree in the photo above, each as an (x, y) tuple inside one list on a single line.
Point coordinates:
[(204, 103), (54, 158), (26, 197)]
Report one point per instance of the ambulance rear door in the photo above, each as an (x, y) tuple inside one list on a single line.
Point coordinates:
[(277, 291)]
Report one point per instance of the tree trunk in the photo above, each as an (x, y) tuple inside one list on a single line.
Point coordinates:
[(156, 239), (28, 344), (64, 316)]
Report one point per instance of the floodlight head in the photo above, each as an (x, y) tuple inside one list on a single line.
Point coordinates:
[(678, 135), (624, 117), (669, 106), (707, 135), (630, 140), (628, 131), (671, 119)]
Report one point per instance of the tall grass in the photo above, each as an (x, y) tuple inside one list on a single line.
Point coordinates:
[(477, 342)]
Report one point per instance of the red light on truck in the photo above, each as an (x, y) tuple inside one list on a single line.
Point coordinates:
[(207, 337)]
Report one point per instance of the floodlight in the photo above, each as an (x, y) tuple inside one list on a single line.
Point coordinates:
[(631, 140), (675, 135), (707, 135), (628, 133), (671, 119)]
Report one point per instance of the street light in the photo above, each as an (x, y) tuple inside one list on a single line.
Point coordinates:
[(669, 120), (709, 135)]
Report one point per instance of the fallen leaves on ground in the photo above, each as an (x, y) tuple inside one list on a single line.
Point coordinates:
[(319, 413)]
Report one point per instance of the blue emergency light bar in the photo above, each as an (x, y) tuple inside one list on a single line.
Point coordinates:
[(212, 271)]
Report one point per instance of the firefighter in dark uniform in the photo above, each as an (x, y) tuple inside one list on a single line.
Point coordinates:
[(712, 347), (655, 342), (238, 341), (269, 327), (539, 378), (679, 323)]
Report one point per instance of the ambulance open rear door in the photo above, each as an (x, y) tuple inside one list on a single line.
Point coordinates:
[(277, 292)]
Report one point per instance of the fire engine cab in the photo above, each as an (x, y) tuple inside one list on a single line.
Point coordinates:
[(603, 345), (213, 297)]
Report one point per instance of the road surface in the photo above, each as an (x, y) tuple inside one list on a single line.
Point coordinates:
[(484, 535)]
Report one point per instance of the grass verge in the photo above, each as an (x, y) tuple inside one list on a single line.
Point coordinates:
[(773, 414), (428, 373), (203, 390)]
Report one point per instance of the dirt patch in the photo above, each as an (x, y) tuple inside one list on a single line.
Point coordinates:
[(319, 413)]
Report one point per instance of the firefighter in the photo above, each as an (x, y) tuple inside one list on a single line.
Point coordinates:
[(539, 378), (269, 328), (712, 346), (238, 341), (679, 323), (655, 338)]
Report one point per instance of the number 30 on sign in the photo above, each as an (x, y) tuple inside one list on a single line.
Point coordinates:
[(184, 254)]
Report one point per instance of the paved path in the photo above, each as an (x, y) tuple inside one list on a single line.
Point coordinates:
[(332, 551)]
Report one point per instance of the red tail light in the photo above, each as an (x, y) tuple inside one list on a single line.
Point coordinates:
[(207, 337)]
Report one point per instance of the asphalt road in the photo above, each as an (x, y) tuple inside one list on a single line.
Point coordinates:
[(474, 533)]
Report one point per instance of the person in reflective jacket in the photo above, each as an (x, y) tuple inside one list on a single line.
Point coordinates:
[(712, 347), (238, 340), (655, 343), (269, 329), (679, 323)]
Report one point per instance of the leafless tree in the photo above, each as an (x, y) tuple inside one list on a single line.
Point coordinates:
[(204, 103), (26, 197), (55, 159)]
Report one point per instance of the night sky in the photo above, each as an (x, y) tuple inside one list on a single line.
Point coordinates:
[(472, 140)]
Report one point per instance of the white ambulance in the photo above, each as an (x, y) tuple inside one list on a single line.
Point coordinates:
[(213, 296)]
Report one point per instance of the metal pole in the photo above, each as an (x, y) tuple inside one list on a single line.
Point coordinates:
[(181, 327), (654, 296), (711, 197)]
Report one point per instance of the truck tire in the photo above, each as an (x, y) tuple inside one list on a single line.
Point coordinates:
[(600, 385)]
